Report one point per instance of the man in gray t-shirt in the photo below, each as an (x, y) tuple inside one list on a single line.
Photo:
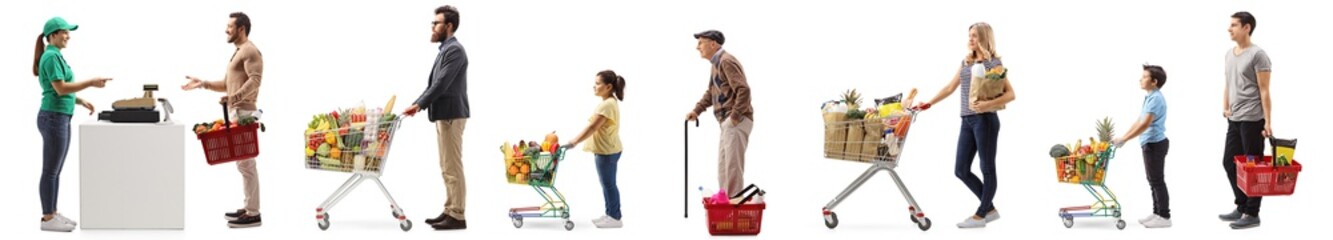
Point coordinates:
[(1248, 110)]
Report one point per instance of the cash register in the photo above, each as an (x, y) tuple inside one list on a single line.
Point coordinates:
[(138, 110)]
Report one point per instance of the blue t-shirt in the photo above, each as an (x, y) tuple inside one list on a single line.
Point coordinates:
[(1154, 104)]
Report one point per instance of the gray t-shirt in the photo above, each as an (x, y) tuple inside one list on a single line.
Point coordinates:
[(1243, 80)]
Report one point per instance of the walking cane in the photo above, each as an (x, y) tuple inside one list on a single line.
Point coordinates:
[(687, 166)]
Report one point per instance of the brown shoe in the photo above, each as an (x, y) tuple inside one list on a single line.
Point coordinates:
[(449, 223)]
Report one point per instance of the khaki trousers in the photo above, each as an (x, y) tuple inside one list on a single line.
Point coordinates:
[(249, 174), (451, 165), (731, 154)]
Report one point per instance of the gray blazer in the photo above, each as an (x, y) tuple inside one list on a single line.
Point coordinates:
[(446, 90)]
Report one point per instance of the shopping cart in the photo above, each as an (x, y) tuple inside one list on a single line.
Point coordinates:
[(363, 149), (537, 170), (1089, 170), (875, 141)]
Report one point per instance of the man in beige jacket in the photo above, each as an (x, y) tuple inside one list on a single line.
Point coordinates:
[(242, 87), (729, 96)]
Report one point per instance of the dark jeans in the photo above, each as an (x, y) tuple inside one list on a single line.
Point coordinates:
[(978, 134), (54, 128), (606, 171), (1243, 138), (1154, 160)]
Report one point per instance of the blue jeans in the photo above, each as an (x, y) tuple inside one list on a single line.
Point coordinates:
[(55, 146), (606, 171), (978, 134)]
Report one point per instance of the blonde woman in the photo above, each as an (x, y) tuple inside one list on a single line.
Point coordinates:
[(980, 123)]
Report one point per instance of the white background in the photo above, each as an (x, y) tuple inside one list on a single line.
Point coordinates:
[(532, 66)]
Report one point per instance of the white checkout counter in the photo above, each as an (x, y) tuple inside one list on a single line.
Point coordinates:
[(132, 175)]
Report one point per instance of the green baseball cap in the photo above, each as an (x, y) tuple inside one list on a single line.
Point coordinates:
[(56, 24)]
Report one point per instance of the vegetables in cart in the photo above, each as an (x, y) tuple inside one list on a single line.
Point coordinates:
[(350, 138)]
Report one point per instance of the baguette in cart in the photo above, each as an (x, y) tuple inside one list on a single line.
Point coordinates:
[(875, 136), (535, 165), (353, 141)]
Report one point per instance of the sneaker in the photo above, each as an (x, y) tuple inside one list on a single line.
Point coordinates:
[(449, 223), (66, 220), (232, 216), (601, 219), (1247, 221), (1148, 218), (56, 225), (431, 221), (609, 223), (245, 221), (992, 216), (972, 222), (1231, 217), (1157, 222)]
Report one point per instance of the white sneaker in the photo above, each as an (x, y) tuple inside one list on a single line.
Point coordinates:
[(992, 216), (56, 225), (1148, 218), (609, 223), (1157, 222), (972, 223), (66, 220), (601, 219)]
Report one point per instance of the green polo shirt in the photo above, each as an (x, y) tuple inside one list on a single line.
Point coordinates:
[(52, 67)]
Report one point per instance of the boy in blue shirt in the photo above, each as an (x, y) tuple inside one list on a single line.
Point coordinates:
[(1151, 130)]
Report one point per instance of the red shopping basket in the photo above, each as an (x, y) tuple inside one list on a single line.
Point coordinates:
[(727, 219), (1264, 179), (230, 143)]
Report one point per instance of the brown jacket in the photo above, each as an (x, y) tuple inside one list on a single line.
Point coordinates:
[(244, 73), (728, 93)]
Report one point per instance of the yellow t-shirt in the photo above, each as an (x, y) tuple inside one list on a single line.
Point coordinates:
[(607, 138)]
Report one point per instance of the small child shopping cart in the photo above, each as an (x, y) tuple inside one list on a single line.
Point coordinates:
[(356, 142), (1086, 166), (536, 167)]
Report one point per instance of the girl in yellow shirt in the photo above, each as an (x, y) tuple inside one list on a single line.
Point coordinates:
[(604, 129)]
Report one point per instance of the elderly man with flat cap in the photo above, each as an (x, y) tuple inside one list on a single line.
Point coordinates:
[(729, 96)]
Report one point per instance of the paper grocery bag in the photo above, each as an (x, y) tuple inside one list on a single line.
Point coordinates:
[(874, 132), (982, 88), (855, 134), (835, 131)]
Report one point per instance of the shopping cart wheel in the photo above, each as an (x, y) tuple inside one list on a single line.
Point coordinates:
[(518, 221), (569, 225), (1120, 224), (405, 225), (924, 224), (831, 220), (1069, 222), (323, 222)]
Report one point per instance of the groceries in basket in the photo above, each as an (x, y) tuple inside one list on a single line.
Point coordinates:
[(987, 84), (1085, 162), (857, 134), (520, 158), (1273, 175), (351, 139), (227, 140), (743, 216)]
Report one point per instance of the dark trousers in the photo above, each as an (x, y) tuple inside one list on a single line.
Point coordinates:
[(606, 172), (1154, 161), (1243, 138), (979, 134), (54, 128)]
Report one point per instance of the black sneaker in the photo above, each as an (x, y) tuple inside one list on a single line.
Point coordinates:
[(245, 221), (449, 223), (1248, 221), (432, 221), (1231, 217), (232, 216)]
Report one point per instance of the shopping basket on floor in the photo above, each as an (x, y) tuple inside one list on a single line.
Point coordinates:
[(743, 218), (1088, 169), (357, 142), (230, 143), (536, 167)]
